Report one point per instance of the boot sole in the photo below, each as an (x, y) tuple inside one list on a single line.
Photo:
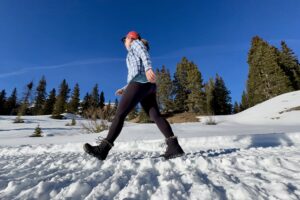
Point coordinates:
[(174, 156)]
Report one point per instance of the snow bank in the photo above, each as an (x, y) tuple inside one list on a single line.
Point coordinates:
[(273, 111)]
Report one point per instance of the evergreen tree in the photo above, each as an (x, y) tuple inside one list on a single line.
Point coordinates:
[(24, 108), (236, 108), (180, 82), (221, 98), (3, 103), (290, 65), (164, 90), (86, 103), (266, 78), (102, 100), (40, 97), (95, 97), (12, 103), (196, 95), (61, 100), (209, 89), (144, 117), (50, 101), (37, 132), (75, 100), (158, 91), (244, 102)]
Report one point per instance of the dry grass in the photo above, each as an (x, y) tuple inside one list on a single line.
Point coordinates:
[(176, 118), (183, 117), (95, 122), (210, 120)]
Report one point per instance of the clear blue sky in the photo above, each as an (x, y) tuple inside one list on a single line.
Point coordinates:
[(80, 40)]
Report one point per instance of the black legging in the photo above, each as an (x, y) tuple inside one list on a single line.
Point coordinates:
[(136, 92)]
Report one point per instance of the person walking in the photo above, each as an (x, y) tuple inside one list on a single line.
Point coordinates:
[(141, 87)]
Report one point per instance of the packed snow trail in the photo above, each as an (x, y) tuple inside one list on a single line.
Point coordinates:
[(45, 172)]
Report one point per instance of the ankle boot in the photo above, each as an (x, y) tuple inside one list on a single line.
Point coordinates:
[(173, 148), (100, 151)]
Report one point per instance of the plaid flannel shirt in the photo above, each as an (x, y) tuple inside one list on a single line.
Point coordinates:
[(137, 60)]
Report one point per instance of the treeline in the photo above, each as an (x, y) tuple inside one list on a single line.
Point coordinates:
[(36, 101), (272, 72), (186, 93)]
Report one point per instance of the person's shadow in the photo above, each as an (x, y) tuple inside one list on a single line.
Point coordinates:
[(202, 153)]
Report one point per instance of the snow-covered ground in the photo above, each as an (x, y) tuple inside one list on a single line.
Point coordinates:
[(254, 154)]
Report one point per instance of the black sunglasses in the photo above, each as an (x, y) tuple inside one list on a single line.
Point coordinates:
[(123, 39)]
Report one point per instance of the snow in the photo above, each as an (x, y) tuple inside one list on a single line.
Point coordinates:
[(249, 155)]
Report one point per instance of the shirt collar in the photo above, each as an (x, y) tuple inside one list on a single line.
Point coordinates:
[(134, 42)]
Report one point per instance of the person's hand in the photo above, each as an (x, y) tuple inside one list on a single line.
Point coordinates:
[(119, 92), (150, 76)]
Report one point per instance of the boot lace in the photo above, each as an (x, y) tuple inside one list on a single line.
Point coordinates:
[(101, 139), (162, 145)]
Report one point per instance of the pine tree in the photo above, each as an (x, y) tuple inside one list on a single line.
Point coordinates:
[(95, 97), (26, 100), (12, 103), (290, 65), (164, 90), (86, 103), (244, 102), (50, 101), (3, 110), (102, 100), (266, 78), (37, 132), (196, 96), (40, 97), (209, 89), (221, 99), (75, 100), (158, 91), (61, 100), (144, 117), (236, 108), (180, 82)]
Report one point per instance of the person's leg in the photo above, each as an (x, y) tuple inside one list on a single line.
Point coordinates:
[(130, 98), (150, 106)]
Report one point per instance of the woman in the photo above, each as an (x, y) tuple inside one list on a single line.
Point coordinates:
[(141, 87)]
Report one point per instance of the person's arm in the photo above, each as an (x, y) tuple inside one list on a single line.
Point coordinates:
[(141, 51)]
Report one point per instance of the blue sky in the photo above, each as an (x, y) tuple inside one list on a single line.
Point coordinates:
[(80, 40)]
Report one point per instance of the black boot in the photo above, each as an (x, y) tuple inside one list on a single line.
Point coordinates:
[(173, 149), (100, 151)]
